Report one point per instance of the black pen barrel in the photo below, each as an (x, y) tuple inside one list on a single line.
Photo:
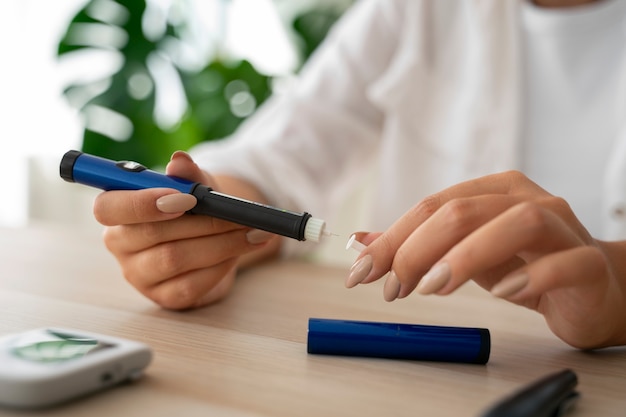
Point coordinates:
[(251, 214), (542, 398)]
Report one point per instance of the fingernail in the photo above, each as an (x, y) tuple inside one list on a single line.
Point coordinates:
[(359, 271), (256, 236), (176, 203), (510, 285), (355, 244), (181, 154), (435, 279), (392, 287)]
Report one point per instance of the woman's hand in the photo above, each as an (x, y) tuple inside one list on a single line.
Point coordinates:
[(179, 261), (514, 239)]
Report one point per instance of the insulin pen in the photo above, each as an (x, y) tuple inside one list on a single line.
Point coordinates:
[(550, 396), (109, 175)]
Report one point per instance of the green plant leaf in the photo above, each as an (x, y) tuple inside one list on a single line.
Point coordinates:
[(119, 109)]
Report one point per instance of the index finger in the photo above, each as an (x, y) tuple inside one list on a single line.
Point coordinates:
[(387, 245), (112, 208)]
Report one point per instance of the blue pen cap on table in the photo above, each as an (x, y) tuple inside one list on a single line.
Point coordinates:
[(398, 341)]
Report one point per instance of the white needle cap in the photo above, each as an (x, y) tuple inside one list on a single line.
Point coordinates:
[(355, 244)]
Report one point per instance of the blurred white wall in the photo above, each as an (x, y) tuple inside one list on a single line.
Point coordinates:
[(34, 119)]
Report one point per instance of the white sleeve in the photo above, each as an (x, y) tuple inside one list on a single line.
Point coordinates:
[(302, 149)]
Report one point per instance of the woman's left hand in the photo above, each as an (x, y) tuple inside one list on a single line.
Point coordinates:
[(514, 239)]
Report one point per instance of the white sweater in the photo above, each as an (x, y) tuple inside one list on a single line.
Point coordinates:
[(426, 93)]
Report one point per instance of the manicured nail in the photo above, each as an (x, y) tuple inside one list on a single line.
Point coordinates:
[(256, 236), (181, 154), (435, 279), (510, 285), (359, 271), (176, 203), (392, 287), (355, 244)]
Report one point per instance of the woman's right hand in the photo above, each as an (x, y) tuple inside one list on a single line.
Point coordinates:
[(178, 261)]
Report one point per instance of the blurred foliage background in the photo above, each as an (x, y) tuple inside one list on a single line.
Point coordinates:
[(120, 109)]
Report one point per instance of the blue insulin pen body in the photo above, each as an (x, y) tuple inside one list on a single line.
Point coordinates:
[(398, 341), (109, 175)]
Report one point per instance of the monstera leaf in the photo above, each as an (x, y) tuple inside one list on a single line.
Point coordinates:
[(119, 109)]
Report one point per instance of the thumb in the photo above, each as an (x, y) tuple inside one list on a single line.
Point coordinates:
[(182, 165)]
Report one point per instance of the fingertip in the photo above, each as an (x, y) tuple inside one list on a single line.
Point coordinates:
[(181, 155), (359, 271), (406, 289), (510, 285), (99, 209), (256, 236), (176, 203), (182, 165), (392, 287), (435, 279)]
